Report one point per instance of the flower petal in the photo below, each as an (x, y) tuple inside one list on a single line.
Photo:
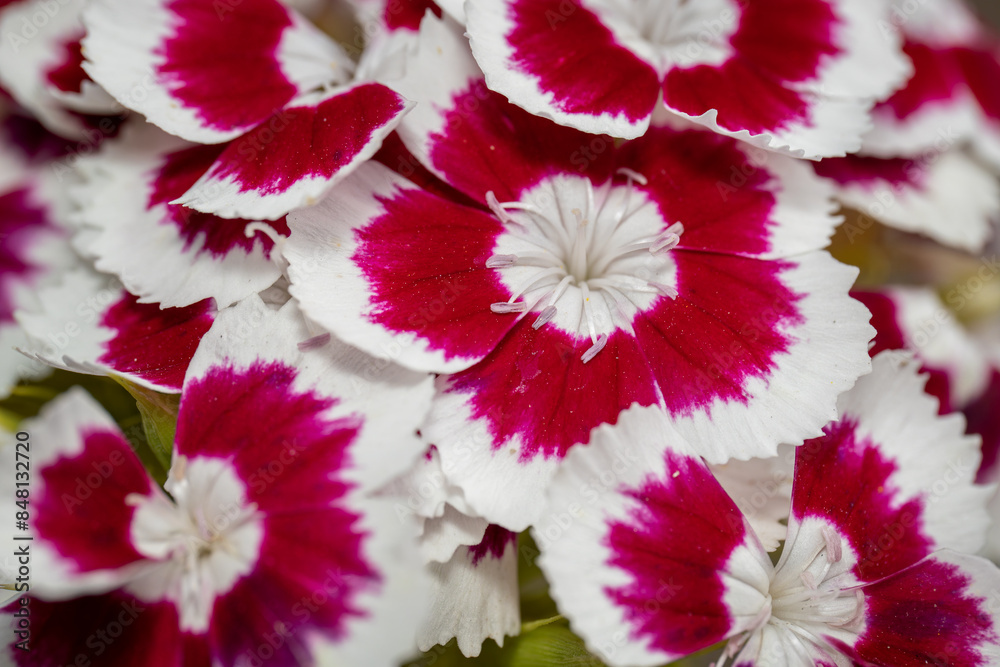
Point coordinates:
[(474, 595), (891, 475), (295, 158), (40, 66), (559, 60), (645, 553), (207, 73), (503, 426), (951, 198), (331, 391), (943, 609), (90, 324), (164, 252), (86, 629), (410, 269), (915, 319), (83, 473), (808, 96), (473, 138)]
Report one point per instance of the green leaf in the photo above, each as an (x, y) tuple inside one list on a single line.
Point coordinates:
[(552, 645), (159, 419)]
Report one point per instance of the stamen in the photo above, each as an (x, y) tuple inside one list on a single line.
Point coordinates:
[(265, 229), (504, 308), (834, 552), (500, 211), (501, 261), (665, 242), (544, 317), (602, 340), (665, 290), (633, 175), (314, 343)]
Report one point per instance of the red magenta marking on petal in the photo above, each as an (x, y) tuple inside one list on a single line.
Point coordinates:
[(575, 59), (844, 480), (425, 259), (407, 14), (82, 631), (982, 70), (152, 343), (394, 154), (308, 141), (82, 512), (291, 459), (20, 222), (749, 90), (726, 328), (872, 172), (534, 386), (494, 543), (936, 78), (983, 418), (675, 545), (218, 236), (505, 149), (68, 75), (890, 336), (224, 64), (706, 182), (925, 615)]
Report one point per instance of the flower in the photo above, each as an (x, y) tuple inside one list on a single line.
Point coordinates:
[(793, 76), (267, 525), (652, 561), (252, 73), (556, 288)]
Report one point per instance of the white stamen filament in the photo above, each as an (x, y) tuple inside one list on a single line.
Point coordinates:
[(587, 247), (265, 229)]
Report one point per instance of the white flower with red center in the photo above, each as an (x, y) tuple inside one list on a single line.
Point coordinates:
[(34, 253), (793, 76), (946, 195), (677, 270), (268, 529), (652, 561), (915, 171), (41, 66), (254, 74), (951, 97)]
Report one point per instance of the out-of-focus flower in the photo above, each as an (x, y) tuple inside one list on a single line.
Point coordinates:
[(268, 530)]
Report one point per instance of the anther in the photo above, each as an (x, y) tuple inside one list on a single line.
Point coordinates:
[(665, 290), (314, 343), (544, 317), (503, 307), (664, 242), (833, 548), (602, 340), (501, 261)]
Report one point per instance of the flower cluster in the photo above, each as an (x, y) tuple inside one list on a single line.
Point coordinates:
[(321, 318)]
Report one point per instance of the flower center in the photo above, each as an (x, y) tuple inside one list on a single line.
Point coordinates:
[(673, 32), (201, 543), (582, 258), (812, 595)]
